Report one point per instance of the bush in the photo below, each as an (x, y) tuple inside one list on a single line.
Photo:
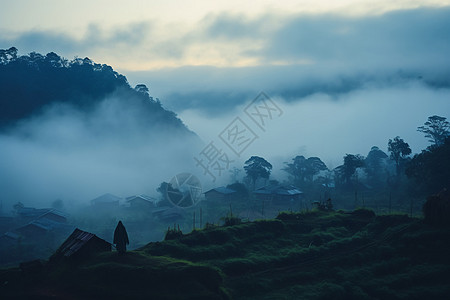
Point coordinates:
[(289, 216), (436, 209), (364, 213), (173, 234), (231, 220)]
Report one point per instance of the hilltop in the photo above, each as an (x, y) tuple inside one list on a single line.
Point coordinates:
[(31, 83), (310, 255)]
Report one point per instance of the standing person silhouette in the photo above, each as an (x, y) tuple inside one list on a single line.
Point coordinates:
[(121, 238)]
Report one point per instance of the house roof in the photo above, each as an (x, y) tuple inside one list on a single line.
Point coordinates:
[(329, 185), (50, 224), (288, 190), (76, 241), (106, 198), (222, 190), (44, 223), (11, 235), (32, 212), (54, 212), (161, 209), (141, 197), (40, 213), (36, 225)]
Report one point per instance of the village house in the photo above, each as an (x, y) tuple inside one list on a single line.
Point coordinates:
[(106, 201), (9, 239), (40, 227), (141, 202), (80, 244), (279, 194), (55, 215), (30, 213), (220, 195)]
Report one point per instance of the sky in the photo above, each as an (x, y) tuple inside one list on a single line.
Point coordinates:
[(347, 75)]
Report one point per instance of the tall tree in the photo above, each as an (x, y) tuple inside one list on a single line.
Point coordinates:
[(142, 88), (297, 168), (431, 169), (302, 168), (436, 129), (8, 55), (351, 163), (399, 150), (315, 165), (257, 167), (375, 166)]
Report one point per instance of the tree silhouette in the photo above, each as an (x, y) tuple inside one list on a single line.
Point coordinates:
[(8, 55), (399, 151), (257, 167), (431, 168), (302, 168), (28, 83), (436, 129), (142, 88), (351, 163), (375, 165)]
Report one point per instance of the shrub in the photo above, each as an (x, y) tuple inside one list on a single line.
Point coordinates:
[(364, 213), (436, 209), (231, 220), (289, 216), (173, 234)]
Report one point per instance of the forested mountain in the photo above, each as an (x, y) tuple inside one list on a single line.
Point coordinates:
[(32, 82)]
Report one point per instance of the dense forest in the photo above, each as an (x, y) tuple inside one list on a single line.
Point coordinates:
[(30, 83)]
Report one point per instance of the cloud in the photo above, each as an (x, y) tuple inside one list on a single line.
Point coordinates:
[(216, 91), (305, 55), (323, 126), (409, 38), (111, 44), (412, 39), (73, 155), (237, 26), (346, 83)]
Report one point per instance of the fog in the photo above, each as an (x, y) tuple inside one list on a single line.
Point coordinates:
[(344, 82), (64, 153), (329, 127)]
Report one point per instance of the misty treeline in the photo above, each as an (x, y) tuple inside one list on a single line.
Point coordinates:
[(396, 173), (29, 83)]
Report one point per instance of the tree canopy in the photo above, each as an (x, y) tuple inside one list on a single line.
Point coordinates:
[(257, 167), (375, 165), (399, 150), (351, 163), (431, 168), (436, 129), (31, 82), (304, 169)]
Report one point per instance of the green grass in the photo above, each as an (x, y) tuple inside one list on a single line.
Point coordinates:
[(313, 255)]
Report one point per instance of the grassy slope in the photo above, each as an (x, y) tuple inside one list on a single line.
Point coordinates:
[(109, 276), (315, 255)]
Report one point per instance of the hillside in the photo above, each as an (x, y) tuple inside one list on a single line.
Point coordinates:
[(31, 83), (313, 255), (75, 129)]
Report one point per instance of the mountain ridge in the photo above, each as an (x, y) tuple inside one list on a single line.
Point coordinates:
[(31, 83)]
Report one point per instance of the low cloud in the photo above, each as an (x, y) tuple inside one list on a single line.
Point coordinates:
[(345, 84), (76, 156), (303, 55), (328, 127)]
